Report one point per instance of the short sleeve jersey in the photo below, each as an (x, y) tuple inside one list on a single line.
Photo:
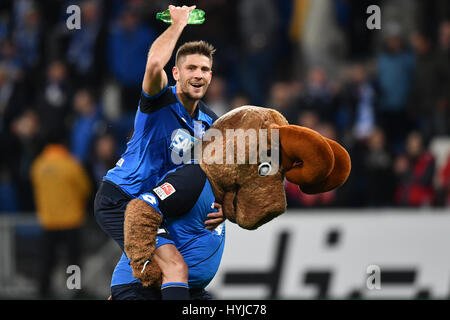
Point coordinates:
[(162, 128)]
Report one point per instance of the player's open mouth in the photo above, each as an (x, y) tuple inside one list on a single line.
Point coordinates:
[(197, 85)]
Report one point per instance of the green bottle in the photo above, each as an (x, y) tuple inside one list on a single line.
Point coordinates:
[(196, 16)]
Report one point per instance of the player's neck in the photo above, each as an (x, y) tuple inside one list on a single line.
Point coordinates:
[(189, 104)]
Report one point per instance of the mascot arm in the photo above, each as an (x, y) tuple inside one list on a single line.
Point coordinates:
[(140, 228), (143, 216)]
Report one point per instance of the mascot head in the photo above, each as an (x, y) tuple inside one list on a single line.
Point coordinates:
[(247, 153)]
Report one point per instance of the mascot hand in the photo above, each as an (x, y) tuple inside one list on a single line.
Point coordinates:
[(140, 229)]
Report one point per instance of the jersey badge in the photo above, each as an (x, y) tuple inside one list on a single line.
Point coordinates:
[(164, 190)]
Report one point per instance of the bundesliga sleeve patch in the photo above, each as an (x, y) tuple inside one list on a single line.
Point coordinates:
[(164, 190)]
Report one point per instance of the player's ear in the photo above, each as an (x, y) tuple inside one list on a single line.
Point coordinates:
[(175, 73)]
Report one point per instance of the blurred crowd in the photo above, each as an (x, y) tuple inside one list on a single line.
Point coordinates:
[(383, 94)]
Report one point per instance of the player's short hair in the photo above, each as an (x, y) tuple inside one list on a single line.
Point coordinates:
[(195, 47)]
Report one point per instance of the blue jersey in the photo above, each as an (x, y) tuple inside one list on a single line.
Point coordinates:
[(162, 126), (184, 198)]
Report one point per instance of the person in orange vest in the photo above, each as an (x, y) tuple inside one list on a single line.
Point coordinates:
[(61, 190)]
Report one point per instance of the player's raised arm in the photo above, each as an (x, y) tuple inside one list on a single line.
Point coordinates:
[(155, 78)]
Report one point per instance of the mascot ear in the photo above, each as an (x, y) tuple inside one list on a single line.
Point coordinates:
[(339, 174), (306, 156), (315, 163)]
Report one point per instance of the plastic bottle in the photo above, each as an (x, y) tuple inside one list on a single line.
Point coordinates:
[(196, 16)]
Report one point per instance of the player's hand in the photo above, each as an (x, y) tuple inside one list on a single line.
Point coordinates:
[(215, 218), (180, 15)]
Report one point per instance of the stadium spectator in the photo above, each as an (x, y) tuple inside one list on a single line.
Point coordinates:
[(216, 96), (395, 72), (11, 100), (441, 122), (27, 38), (84, 52), (238, 100), (423, 95), (127, 55), (104, 157), (281, 98), (22, 147), (89, 117), (257, 43), (55, 96), (10, 60), (318, 94), (443, 189), (309, 119), (356, 104), (415, 172), (377, 170), (61, 188)]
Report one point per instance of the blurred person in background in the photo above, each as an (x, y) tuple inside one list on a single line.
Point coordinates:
[(84, 52), (127, 55), (216, 96), (441, 121), (238, 100), (357, 99), (414, 172), (350, 16), (258, 43), (104, 157), (22, 147), (395, 75), (309, 119), (281, 98), (443, 185), (11, 100), (27, 38), (318, 95), (55, 95), (423, 95), (87, 121), (377, 170), (10, 60), (61, 189)]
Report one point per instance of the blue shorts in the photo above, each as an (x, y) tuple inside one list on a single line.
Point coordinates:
[(163, 238)]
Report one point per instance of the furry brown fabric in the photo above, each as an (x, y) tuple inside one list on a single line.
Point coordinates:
[(339, 174), (140, 229), (306, 156)]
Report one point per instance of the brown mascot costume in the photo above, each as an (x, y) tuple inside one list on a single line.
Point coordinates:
[(251, 194)]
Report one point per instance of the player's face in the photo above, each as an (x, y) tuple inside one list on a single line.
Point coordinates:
[(193, 74)]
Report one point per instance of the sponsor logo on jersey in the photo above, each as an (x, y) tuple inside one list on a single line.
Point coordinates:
[(149, 198), (182, 142), (120, 162), (164, 190)]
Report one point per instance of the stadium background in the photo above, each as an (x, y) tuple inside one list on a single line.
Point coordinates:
[(383, 94)]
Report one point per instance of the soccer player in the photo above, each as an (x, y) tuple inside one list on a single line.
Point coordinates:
[(163, 111)]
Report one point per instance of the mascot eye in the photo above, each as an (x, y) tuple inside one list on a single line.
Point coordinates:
[(264, 169)]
